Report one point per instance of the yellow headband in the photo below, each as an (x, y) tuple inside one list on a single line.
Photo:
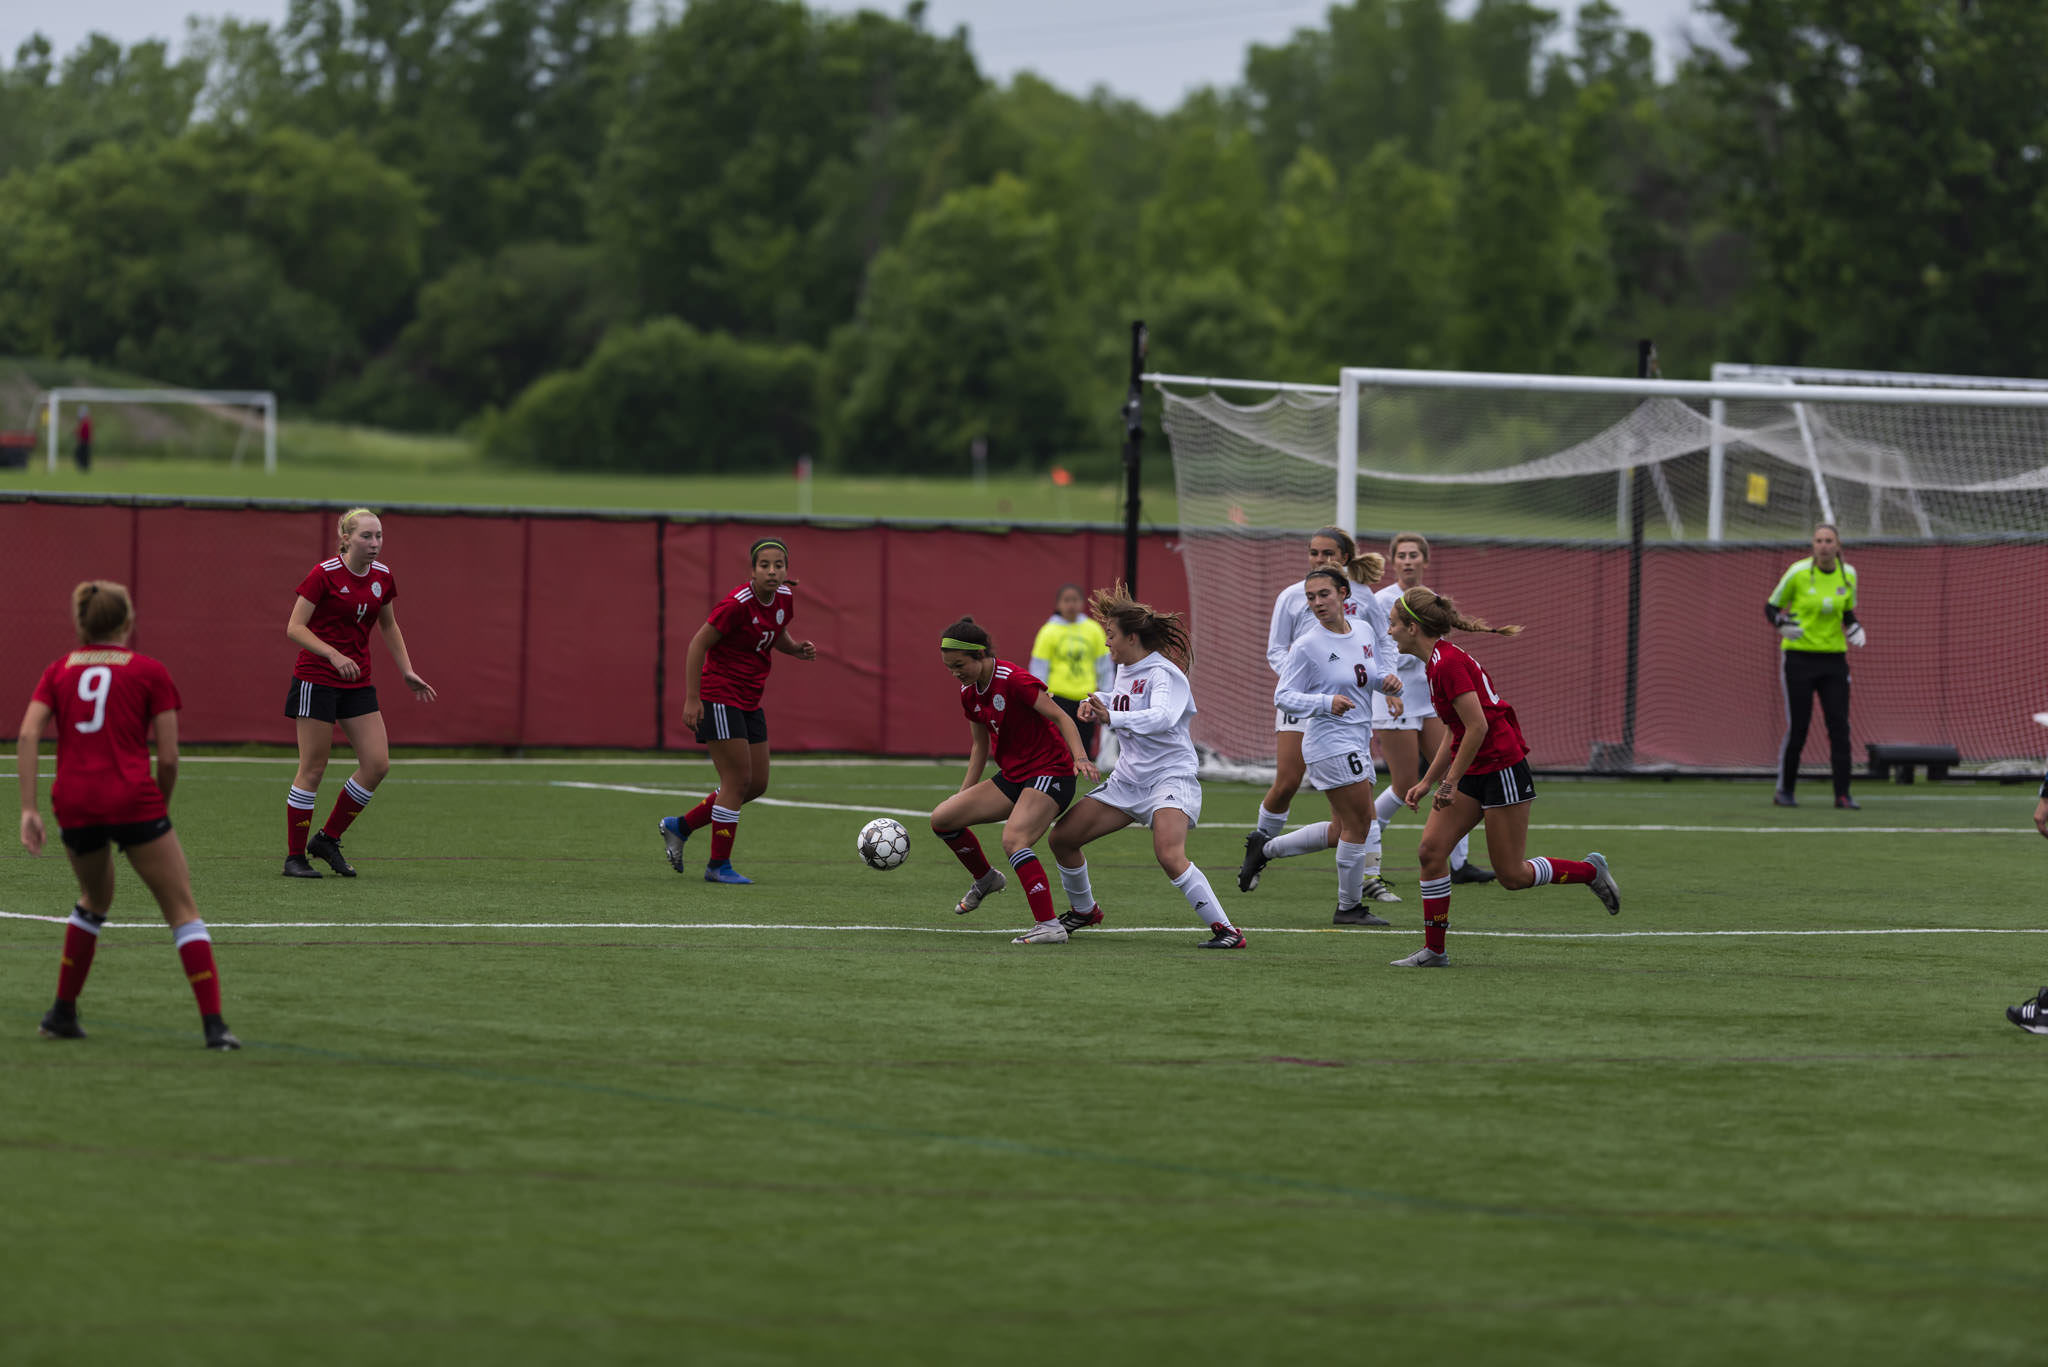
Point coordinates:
[(948, 643), (1410, 611)]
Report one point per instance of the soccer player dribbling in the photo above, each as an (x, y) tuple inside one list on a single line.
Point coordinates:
[(1149, 706), (724, 675), (338, 601), (1480, 774), (108, 702), (1037, 750)]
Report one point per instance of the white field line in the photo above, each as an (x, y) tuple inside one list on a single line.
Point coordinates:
[(1098, 930), (1543, 826)]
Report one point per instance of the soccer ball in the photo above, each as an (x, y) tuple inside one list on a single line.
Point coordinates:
[(883, 843)]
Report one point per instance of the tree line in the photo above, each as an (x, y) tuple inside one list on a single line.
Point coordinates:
[(753, 230)]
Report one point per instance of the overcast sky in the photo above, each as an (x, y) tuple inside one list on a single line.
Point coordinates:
[(1154, 50)]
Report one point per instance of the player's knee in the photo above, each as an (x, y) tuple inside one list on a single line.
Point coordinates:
[(1433, 855), (1173, 862), (756, 788), (1515, 877), (375, 771)]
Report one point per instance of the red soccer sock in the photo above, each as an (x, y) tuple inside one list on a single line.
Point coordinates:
[(699, 816), (347, 807), (725, 824), (195, 951), (298, 819), (967, 850), (1436, 911), (1037, 891), (81, 938), (1561, 870)]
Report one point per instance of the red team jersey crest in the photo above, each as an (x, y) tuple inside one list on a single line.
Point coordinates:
[(1025, 745), (1453, 672), (736, 668), (345, 606), (104, 698)]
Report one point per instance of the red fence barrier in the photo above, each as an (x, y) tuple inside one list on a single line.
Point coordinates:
[(554, 631), (571, 631)]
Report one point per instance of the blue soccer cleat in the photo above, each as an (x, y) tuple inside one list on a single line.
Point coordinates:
[(722, 871), (673, 834)]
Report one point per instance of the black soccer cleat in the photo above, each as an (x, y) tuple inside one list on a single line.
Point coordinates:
[(2031, 1017), (326, 847), (1226, 937), (61, 1022), (218, 1036), (1781, 798), (295, 866), (1472, 873), (1356, 916), (1847, 803), (1255, 861)]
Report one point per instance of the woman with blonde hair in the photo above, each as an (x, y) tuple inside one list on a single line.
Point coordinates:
[(109, 703), (1480, 775), (338, 601)]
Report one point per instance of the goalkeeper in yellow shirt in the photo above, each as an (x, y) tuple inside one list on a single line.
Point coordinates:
[(1072, 656)]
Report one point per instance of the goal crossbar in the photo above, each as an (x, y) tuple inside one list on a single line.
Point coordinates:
[(262, 400)]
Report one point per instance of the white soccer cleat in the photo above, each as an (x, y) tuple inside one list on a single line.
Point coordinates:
[(1603, 884), (1423, 958), (1376, 890), (988, 885), (1043, 933)]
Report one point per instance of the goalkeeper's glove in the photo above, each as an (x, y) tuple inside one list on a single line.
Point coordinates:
[(1857, 635), (1789, 628)]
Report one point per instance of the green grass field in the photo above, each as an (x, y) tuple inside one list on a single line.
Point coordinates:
[(521, 1094)]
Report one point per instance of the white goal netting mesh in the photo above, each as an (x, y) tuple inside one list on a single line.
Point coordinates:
[(1525, 496)]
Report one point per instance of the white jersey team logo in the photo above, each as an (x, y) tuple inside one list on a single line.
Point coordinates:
[(377, 589), (998, 702), (778, 617)]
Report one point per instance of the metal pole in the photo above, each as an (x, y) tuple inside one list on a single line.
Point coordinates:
[(1646, 367), (56, 399), (1347, 453), (1134, 436)]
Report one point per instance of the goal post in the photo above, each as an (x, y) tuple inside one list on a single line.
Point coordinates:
[(262, 400), (1516, 476)]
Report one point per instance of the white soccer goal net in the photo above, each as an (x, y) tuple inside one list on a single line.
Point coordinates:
[(1526, 484), (234, 424)]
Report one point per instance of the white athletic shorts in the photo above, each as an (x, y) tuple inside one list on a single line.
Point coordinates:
[(1184, 793), (1415, 703), (1283, 722), (1340, 771)]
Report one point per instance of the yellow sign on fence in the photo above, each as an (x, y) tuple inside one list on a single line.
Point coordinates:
[(1759, 489)]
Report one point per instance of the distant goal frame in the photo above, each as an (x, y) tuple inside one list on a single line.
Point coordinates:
[(262, 400)]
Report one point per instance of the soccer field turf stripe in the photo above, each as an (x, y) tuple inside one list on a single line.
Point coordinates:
[(1011, 930), (757, 802)]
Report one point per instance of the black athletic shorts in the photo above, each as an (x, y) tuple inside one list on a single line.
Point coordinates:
[(1060, 788), (128, 834), (722, 721), (1507, 787), (325, 702)]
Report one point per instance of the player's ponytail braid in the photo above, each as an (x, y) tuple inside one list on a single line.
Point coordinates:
[(101, 610), (1363, 569), (967, 635), (1439, 616), (1165, 632)]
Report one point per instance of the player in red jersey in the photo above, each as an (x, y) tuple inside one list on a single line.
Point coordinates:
[(724, 675), (1480, 774), (338, 601), (1037, 751), (108, 702)]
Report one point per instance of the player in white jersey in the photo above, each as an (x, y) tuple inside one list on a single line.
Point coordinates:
[(1332, 671), (1407, 740), (1150, 709), (1332, 546)]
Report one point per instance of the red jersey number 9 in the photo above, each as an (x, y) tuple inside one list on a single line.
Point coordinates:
[(92, 687)]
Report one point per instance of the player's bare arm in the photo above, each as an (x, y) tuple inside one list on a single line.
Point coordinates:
[(977, 755), (693, 673), (394, 641), (1474, 717), (1045, 707), (803, 650), (164, 728), (301, 635), (30, 741), (2041, 816), (1438, 766)]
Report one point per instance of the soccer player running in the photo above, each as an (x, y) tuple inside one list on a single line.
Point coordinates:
[(1480, 774), (1814, 610), (724, 675), (338, 601), (1037, 752), (1415, 730), (2032, 1016), (1150, 707), (109, 701), (1072, 658), (1328, 680)]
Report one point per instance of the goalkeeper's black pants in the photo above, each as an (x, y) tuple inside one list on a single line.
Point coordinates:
[(1809, 674)]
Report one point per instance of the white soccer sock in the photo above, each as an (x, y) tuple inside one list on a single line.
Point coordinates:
[(1075, 882), (1350, 874), (1386, 804), (1461, 853), (1306, 840), (1270, 823), (1544, 873), (1194, 885)]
